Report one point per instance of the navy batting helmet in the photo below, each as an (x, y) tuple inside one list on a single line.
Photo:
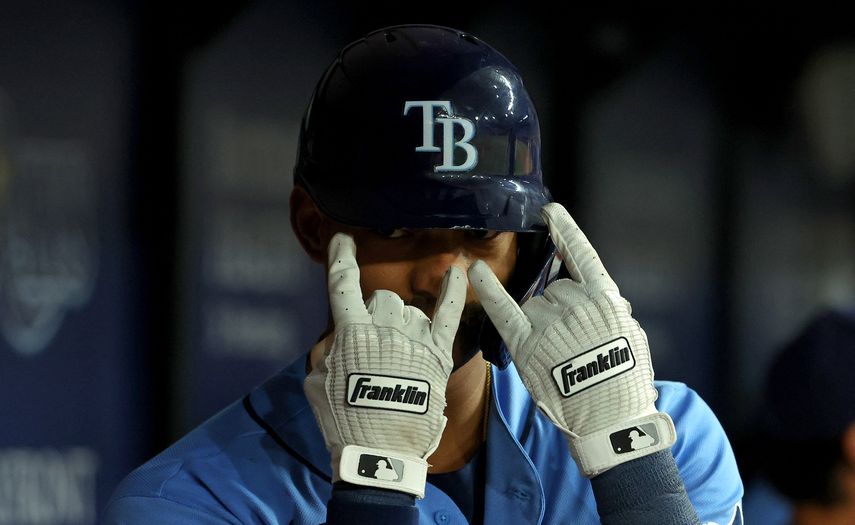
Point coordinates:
[(421, 126)]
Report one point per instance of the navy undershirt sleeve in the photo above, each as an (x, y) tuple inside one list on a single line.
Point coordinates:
[(354, 504), (644, 490), (351, 504)]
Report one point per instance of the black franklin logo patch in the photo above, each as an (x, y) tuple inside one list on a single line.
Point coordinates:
[(401, 394), (593, 367)]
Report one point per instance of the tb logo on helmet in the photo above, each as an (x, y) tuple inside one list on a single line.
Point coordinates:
[(448, 142)]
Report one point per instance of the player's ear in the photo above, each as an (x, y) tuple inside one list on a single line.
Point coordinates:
[(310, 225), (848, 444)]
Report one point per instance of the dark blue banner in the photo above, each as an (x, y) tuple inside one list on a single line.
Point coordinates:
[(68, 429), (253, 301)]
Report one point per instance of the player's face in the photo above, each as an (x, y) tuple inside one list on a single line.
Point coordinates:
[(412, 263)]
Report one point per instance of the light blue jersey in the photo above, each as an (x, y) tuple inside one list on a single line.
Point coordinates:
[(263, 460)]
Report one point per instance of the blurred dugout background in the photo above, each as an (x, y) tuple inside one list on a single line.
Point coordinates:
[(149, 276)]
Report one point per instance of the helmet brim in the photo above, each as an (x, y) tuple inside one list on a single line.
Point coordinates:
[(449, 201)]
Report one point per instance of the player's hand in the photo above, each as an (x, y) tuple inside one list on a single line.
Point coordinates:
[(582, 356), (379, 391)]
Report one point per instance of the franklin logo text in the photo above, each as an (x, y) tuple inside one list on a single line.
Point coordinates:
[(593, 367), (388, 393), (448, 143)]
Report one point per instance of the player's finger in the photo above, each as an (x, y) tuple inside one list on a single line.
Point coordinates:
[(579, 256), (386, 309), (343, 282), (510, 321), (449, 307)]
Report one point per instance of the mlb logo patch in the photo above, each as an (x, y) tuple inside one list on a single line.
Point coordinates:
[(380, 467), (634, 438)]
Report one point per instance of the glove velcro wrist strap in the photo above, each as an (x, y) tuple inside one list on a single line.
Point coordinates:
[(595, 453), (372, 467)]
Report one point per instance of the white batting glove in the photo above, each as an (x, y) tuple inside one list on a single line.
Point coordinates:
[(583, 358), (379, 392)]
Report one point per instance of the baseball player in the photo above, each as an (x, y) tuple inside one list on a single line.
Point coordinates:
[(480, 365), (818, 482)]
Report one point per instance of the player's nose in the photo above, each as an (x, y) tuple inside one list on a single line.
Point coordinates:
[(441, 250)]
